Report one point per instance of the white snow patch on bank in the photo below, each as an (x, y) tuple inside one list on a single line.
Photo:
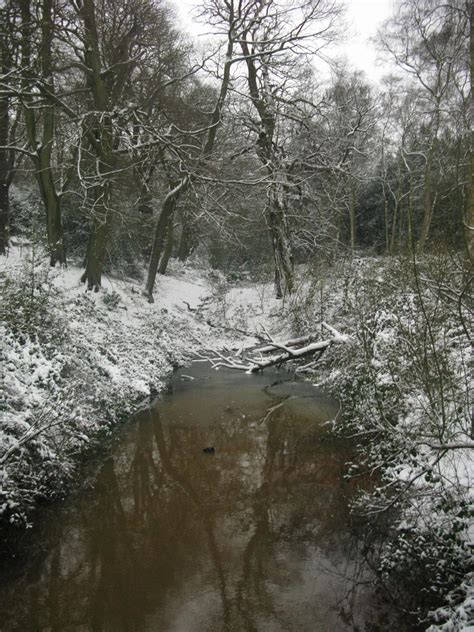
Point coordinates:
[(75, 362)]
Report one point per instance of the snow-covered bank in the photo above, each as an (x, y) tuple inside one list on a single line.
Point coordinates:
[(406, 390), (74, 363), (405, 385)]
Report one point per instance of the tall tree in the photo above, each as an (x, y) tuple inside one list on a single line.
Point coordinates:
[(5, 166), (100, 136), (37, 27), (427, 40), (120, 48), (275, 37), (203, 142), (469, 221)]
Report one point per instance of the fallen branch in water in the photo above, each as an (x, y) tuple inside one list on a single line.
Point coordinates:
[(256, 360)]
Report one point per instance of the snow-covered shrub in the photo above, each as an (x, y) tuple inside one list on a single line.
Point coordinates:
[(300, 306), (28, 300), (428, 556), (220, 289), (35, 413), (404, 386), (73, 367), (458, 614), (111, 300)]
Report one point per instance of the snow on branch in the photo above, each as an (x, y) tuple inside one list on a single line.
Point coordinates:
[(260, 358)]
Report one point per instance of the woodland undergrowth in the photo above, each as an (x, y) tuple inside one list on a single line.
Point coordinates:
[(406, 399)]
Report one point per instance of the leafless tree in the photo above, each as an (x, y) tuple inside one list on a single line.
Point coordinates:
[(428, 40), (275, 37), (37, 22), (118, 49)]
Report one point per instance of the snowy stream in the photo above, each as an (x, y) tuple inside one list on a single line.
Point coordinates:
[(166, 537)]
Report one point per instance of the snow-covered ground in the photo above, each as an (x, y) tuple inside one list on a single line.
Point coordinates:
[(74, 363)]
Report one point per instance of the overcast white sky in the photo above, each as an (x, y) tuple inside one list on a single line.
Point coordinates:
[(363, 19)]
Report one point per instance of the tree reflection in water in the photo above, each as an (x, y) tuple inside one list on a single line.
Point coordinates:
[(253, 538)]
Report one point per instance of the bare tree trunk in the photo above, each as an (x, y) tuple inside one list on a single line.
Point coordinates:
[(396, 208), (42, 151), (102, 145), (469, 221), (51, 200), (429, 197), (352, 217), (55, 227), (4, 166), (385, 213), (277, 220), (100, 213), (397, 211), (278, 227), (98, 238), (185, 240), (384, 180), (428, 204), (173, 196), (410, 246), (166, 215), (165, 257)]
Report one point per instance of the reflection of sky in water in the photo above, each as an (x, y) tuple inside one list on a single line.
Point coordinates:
[(254, 537)]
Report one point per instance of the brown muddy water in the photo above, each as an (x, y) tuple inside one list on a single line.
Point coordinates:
[(168, 538)]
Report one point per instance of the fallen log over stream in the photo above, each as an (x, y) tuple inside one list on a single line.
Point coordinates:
[(257, 359)]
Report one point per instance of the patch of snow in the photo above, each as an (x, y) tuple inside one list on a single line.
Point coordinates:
[(83, 364)]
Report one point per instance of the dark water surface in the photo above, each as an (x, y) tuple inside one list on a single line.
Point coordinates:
[(254, 537)]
